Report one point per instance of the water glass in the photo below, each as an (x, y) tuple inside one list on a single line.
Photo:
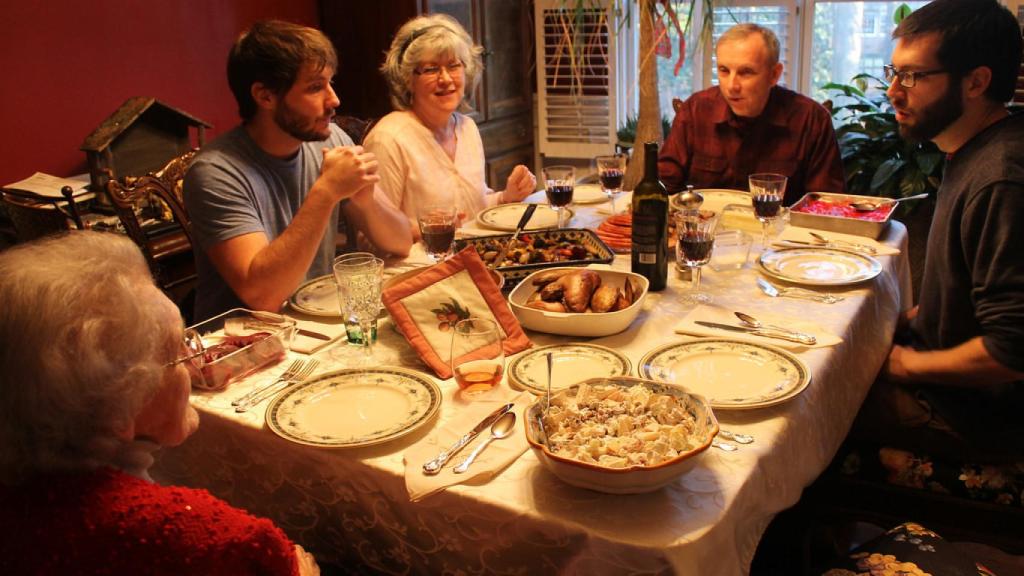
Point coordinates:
[(611, 170), (695, 240), (559, 183), (359, 285), (731, 250), (766, 193), (437, 229), (477, 356)]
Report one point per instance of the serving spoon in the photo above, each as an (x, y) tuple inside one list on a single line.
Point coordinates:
[(872, 206), (500, 429)]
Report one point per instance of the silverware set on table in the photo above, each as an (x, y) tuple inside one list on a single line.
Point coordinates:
[(793, 292), (297, 372), (735, 437)]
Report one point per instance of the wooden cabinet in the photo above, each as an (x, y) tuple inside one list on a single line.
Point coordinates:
[(503, 103)]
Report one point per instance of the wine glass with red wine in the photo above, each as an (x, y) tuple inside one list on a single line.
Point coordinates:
[(477, 358), (766, 193), (559, 183), (437, 229), (611, 170), (695, 239)]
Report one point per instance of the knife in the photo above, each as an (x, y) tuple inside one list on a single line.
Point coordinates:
[(840, 244), (799, 338), (523, 221), (312, 334), (434, 466)]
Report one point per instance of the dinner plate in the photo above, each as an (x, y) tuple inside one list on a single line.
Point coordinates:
[(317, 297), (571, 363), (818, 266), (731, 374), (717, 198), (588, 194), (354, 407), (506, 216)]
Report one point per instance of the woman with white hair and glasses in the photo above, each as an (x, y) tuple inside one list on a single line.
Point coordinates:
[(92, 382), (429, 152)]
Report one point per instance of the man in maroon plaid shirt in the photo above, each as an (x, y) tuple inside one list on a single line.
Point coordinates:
[(748, 124)]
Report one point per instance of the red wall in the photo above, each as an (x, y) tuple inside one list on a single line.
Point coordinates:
[(68, 65)]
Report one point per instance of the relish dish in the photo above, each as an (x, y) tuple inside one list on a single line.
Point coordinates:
[(620, 435)]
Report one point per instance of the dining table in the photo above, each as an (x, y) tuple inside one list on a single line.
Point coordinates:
[(350, 506)]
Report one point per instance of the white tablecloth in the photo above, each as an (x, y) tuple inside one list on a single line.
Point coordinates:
[(350, 507)]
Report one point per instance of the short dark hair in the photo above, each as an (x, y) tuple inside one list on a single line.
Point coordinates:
[(272, 53), (974, 33)]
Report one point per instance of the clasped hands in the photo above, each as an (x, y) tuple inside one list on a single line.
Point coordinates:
[(348, 170)]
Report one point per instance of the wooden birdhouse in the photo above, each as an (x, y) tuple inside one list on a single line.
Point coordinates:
[(139, 137)]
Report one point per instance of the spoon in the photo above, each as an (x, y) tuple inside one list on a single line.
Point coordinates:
[(547, 404), (724, 446), (755, 323), (872, 206), (736, 436), (500, 429), (833, 242)]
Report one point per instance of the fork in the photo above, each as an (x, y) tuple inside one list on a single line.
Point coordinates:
[(301, 372), (790, 292), (837, 243)]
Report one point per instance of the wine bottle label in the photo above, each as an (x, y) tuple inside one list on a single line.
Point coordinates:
[(645, 234), (647, 258)]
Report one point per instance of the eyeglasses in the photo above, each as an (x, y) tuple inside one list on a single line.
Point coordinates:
[(193, 348), (433, 71), (908, 78)]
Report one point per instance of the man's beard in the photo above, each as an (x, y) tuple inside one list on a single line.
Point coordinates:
[(931, 121), (299, 127)]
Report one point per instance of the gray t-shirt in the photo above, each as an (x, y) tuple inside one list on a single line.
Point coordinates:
[(235, 188)]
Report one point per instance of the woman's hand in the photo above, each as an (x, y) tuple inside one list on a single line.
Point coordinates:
[(521, 183), (307, 564)]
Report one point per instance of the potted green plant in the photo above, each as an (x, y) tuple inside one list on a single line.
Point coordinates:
[(626, 134)]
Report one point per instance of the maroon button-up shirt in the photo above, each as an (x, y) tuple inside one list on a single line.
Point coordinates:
[(710, 147)]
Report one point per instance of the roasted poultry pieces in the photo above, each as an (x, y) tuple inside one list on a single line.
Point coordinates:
[(580, 291)]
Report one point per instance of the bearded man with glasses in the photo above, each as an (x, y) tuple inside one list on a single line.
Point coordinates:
[(954, 382)]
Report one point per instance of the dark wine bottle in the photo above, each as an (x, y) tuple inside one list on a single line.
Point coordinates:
[(650, 223)]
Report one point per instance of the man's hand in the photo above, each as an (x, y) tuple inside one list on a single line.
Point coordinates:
[(895, 368), (521, 183), (347, 170)]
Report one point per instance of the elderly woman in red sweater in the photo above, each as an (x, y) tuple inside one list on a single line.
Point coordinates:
[(91, 384)]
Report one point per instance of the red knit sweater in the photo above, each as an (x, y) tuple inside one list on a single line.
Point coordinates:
[(107, 522)]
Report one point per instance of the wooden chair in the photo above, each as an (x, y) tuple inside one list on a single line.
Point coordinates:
[(357, 129), (34, 216), (168, 250)]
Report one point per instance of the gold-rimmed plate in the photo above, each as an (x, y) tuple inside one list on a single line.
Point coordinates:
[(317, 297), (570, 364), (505, 217), (355, 407), (819, 266), (731, 374)]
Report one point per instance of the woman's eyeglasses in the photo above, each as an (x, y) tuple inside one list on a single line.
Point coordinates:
[(908, 78), (192, 350), (432, 72)]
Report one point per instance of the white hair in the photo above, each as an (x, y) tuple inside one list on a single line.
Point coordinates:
[(430, 36), (83, 344)]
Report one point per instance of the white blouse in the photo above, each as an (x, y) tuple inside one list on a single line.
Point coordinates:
[(416, 171)]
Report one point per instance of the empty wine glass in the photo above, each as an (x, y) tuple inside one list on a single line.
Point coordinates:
[(559, 183), (437, 229), (477, 356), (695, 240), (766, 193), (611, 170), (359, 285)]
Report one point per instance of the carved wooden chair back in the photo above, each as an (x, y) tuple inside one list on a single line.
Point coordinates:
[(160, 190)]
